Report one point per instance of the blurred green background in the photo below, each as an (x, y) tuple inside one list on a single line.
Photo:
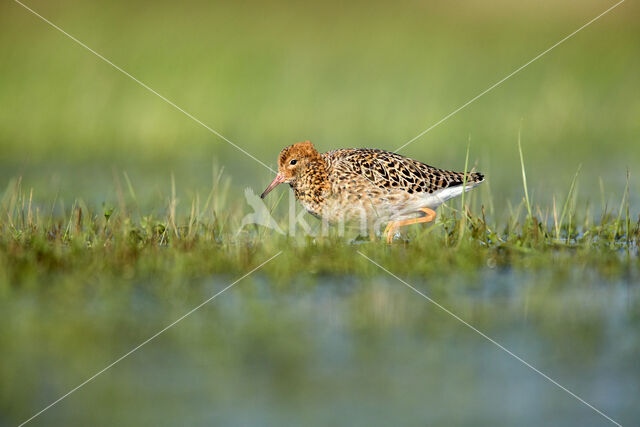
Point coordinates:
[(303, 342), (355, 74)]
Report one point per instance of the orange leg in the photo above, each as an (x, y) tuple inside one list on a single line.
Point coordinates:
[(429, 215)]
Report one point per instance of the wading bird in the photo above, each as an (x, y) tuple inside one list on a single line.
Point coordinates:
[(369, 185)]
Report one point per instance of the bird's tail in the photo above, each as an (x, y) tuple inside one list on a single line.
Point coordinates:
[(475, 177), (471, 178)]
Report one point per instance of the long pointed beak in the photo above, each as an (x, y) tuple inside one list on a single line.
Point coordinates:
[(277, 180)]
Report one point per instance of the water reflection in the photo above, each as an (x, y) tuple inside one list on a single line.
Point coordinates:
[(326, 350)]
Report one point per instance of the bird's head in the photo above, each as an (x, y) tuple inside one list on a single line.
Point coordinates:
[(292, 162)]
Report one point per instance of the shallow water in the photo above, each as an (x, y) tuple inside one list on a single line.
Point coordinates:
[(348, 351)]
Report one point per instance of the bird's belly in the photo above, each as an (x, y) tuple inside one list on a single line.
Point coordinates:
[(361, 208), (382, 207)]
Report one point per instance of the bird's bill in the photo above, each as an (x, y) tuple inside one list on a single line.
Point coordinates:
[(277, 180)]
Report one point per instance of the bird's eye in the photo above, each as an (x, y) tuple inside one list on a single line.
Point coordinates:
[(293, 162)]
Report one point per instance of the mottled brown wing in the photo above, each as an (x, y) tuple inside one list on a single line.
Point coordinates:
[(389, 170), (349, 177)]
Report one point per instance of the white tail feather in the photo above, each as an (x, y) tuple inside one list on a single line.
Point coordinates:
[(437, 198)]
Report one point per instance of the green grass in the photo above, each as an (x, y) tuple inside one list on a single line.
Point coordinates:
[(205, 234)]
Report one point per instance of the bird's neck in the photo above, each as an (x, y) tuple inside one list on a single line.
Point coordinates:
[(311, 187)]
